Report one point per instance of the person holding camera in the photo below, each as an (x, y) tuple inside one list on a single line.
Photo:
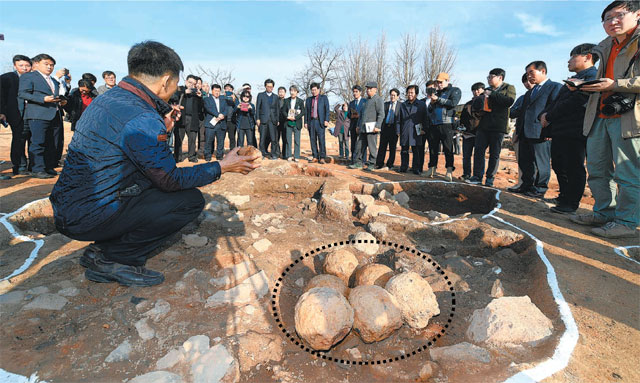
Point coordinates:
[(191, 99), (356, 106), (469, 120), (493, 125), (612, 126), (42, 113), (244, 118), (442, 110), (562, 121), (79, 101)]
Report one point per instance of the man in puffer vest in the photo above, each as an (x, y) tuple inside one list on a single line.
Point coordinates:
[(120, 186)]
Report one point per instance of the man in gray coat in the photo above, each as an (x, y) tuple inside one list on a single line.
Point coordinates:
[(369, 125)]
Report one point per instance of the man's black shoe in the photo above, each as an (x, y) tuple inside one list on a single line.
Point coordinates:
[(51, 171), (401, 170), (42, 175), (555, 201), (104, 271), (194, 160), (378, 167), (518, 189), (534, 194), (416, 172), (89, 256), (563, 209), (5, 177)]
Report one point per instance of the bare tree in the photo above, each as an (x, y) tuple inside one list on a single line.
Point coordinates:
[(216, 76), (405, 70), (322, 68), (381, 65), (438, 56), (355, 66)]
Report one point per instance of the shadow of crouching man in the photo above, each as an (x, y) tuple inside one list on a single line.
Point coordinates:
[(121, 188)]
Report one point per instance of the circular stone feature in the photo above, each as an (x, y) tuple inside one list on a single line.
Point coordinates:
[(415, 298), (376, 313), (327, 280), (373, 274), (340, 263)]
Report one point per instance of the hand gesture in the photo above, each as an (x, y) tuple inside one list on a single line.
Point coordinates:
[(50, 99), (235, 163), (604, 85)]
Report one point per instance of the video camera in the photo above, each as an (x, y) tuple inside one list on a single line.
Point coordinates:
[(431, 91)]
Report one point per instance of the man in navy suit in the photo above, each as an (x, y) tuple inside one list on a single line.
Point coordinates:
[(316, 120), (534, 150), (42, 113), (267, 120), (13, 113), (356, 106), (389, 136), (216, 112)]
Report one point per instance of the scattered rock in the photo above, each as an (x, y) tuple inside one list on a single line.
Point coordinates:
[(300, 282), (436, 215), (373, 274), (334, 209), (364, 200), (496, 290), (47, 301), (377, 229), (330, 281), (402, 198), (428, 370), (145, 331), (215, 365), (461, 352), (384, 195), (194, 240), (340, 263), (370, 211), (238, 200), (159, 310), (509, 321), (157, 377), (214, 206), (323, 317), (376, 313), (248, 291), (38, 290), (121, 353), (69, 292), (368, 244), (414, 296), (255, 348), (12, 297), (195, 346), (262, 245), (354, 353), (172, 358), (231, 276)]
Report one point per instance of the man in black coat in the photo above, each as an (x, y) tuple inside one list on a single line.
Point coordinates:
[(191, 99), (267, 115), (12, 112), (563, 122), (388, 135)]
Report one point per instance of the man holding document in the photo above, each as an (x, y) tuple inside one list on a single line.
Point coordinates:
[(215, 123), (369, 125)]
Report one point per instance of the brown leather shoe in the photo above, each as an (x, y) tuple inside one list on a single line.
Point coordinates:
[(313, 161), (322, 161)]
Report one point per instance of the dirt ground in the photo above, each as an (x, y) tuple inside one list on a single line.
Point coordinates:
[(602, 288)]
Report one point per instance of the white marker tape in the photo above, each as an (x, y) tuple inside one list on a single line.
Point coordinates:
[(560, 358), (622, 251), (14, 233)]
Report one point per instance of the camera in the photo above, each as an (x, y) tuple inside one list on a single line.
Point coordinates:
[(431, 91), (4, 123), (617, 103)]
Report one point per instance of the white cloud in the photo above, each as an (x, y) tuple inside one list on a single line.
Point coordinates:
[(534, 24)]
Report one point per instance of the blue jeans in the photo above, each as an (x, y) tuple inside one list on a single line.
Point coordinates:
[(316, 133), (613, 164), (492, 140), (211, 136)]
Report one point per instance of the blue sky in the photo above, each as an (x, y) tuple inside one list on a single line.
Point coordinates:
[(269, 39)]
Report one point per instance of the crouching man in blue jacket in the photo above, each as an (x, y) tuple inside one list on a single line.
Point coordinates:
[(120, 186)]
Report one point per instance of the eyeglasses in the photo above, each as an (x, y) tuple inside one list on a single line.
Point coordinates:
[(489, 77), (617, 16)]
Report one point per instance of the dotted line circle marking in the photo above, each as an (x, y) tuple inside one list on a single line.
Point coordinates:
[(323, 355)]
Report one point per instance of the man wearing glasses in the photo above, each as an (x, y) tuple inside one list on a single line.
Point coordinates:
[(612, 127)]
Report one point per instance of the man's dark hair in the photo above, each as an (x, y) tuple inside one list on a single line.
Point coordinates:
[(89, 77), (283, 88), (107, 73), (314, 85), (538, 65), (497, 72), (525, 78), (153, 59), (193, 76), (585, 49), (198, 78), (415, 88), (215, 86), (43, 56), (395, 90), (269, 81), (358, 87), (478, 85), (245, 93), (84, 82), (630, 6), (293, 87), (17, 58), (246, 84), (429, 83), (229, 85)]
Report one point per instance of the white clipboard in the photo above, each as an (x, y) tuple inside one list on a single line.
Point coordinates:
[(214, 121), (369, 127), (418, 128)]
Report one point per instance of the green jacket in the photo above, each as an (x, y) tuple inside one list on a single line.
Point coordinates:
[(500, 101)]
